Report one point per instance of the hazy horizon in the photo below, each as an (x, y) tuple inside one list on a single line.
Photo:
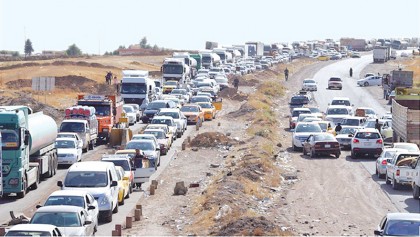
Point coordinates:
[(97, 26)]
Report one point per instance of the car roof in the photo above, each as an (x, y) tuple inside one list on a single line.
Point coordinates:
[(368, 130), (111, 157), (338, 106), (68, 133), (33, 227), (60, 208), (90, 166), (169, 110), (341, 98), (141, 141), (301, 109), (153, 130), (66, 139), (163, 117), (143, 135), (69, 193), (195, 105), (403, 216)]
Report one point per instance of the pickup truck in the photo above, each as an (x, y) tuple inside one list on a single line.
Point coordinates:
[(416, 179), (399, 169)]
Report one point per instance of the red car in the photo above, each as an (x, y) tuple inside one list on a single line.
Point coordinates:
[(322, 143)]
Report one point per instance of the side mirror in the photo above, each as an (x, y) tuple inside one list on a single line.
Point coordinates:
[(91, 207), (378, 232), (88, 222), (350, 135), (60, 183), (158, 149), (114, 183), (38, 206)]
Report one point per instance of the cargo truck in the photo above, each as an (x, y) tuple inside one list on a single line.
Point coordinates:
[(82, 120), (211, 45), (406, 115), (175, 69), (28, 149), (189, 61), (137, 88), (108, 109), (258, 47), (199, 59), (225, 56), (381, 54), (210, 59)]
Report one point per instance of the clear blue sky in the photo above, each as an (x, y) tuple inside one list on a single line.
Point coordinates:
[(102, 25)]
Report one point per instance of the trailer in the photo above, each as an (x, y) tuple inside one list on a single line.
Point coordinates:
[(381, 54), (406, 115)]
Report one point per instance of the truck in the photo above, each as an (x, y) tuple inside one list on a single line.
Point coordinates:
[(243, 49), (108, 110), (210, 59), (406, 115), (399, 169), (137, 88), (211, 45), (267, 50), (400, 78), (28, 149), (258, 47), (199, 59), (175, 69), (189, 61), (81, 120), (354, 44), (415, 173), (381, 54), (225, 56)]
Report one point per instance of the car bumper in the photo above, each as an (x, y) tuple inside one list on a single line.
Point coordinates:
[(382, 169), (335, 86), (208, 116), (327, 151), (369, 151), (66, 160)]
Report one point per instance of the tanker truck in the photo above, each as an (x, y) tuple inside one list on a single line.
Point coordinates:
[(28, 149)]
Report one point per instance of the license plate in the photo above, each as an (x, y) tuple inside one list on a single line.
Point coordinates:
[(366, 143), (327, 146)]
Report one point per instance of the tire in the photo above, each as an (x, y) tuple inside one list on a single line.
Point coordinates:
[(387, 181), (366, 84), (108, 218), (295, 148), (179, 135), (395, 185), (159, 162), (304, 152), (116, 208), (416, 192), (312, 154), (25, 189), (122, 202), (329, 88), (128, 194), (353, 155), (337, 155)]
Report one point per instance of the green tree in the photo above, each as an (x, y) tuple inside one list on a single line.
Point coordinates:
[(28, 48), (143, 43), (73, 50), (155, 48)]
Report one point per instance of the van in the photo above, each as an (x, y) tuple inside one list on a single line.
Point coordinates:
[(97, 178)]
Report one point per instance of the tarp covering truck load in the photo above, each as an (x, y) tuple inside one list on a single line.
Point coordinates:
[(28, 149)]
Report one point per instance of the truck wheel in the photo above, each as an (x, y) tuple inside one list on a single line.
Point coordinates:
[(395, 185), (416, 191), (35, 185), (115, 209), (25, 188), (387, 181)]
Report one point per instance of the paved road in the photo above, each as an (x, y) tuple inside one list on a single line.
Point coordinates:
[(359, 96)]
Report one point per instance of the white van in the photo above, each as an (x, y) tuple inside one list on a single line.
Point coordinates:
[(97, 178)]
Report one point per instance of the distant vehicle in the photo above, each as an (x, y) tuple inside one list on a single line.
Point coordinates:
[(137, 110), (298, 101), (302, 132), (343, 136), (34, 230), (335, 82), (384, 159), (194, 113), (309, 85), (336, 113), (399, 224), (130, 113), (71, 135), (69, 151), (355, 55), (321, 143), (154, 108), (341, 101), (370, 81), (149, 148), (323, 58), (162, 139), (295, 114), (179, 118), (123, 184), (168, 120)]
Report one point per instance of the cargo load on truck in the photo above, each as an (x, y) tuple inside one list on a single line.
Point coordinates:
[(28, 149), (406, 115)]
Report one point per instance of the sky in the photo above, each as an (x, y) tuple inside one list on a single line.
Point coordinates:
[(97, 26)]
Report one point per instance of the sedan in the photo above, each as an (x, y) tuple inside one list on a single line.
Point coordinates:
[(70, 220), (69, 150), (34, 230), (383, 160), (322, 143), (309, 85), (335, 82), (370, 81), (399, 224)]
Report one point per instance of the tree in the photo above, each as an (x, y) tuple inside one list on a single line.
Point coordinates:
[(28, 48), (143, 43), (155, 48), (73, 50)]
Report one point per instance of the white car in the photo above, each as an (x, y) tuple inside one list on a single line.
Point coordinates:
[(69, 150), (366, 112), (302, 132), (182, 92), (46, 230), (77, 198), (123, 160), (341, 101), (399, 224), (145, 137), (343, 136), (295, 114), (179, 118), (71, 135), (70, 220), (309, 85), (335, 82), (411, 147), (148, 147), (162, 139), (168, 121), (130, 113), (370, 81), (383, 160), (137, 109), (336, 113), (366, 141)]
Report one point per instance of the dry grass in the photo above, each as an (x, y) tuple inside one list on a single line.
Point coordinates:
[(414, 65)]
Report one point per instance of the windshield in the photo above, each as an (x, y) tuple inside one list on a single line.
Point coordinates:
[(171, 83), (323, 126), (206, 59), (162, 121), (9, 139), (86, 179), (174, 115), (296, 113), (340, 102), (221, 80), (303, 116), (200, 99), (402, 228), (347, 131), (370, 124), (145, 146), (314, 110), (388, 154), (77, 201), (173, 69), (337, 111), (157, 134), (133, 88), (27, 233), (205, 105), (409, 147), (128, 109), (65, 144), (178, 91), (102, 110), (308, 128), (189, 109), (297, 100), (156, 105), (335, 79), (308, 81), (59, 219), (350, 122), (72, 127)]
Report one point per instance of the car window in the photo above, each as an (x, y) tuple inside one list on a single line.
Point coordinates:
[(402, 228), (340, 102), (368, 135), (308, 128), (323, 137)]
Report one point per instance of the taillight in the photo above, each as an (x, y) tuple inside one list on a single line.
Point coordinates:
[(379, 141), (384, 162), (355, 140), (397, 173)]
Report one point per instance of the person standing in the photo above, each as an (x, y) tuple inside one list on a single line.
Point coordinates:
[(117, 86), (286, 74), (338, 128), (377, 125), (236, 83), (386, 90), (351, 72)]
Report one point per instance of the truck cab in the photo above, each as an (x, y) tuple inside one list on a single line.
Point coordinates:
[(175, 69), (137, 87)]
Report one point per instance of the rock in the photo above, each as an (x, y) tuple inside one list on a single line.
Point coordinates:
[(214, 165), (228, 134), (180, 188), (209, 174), (229, 173), (279, 145), (223, 211), (194, 149)]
